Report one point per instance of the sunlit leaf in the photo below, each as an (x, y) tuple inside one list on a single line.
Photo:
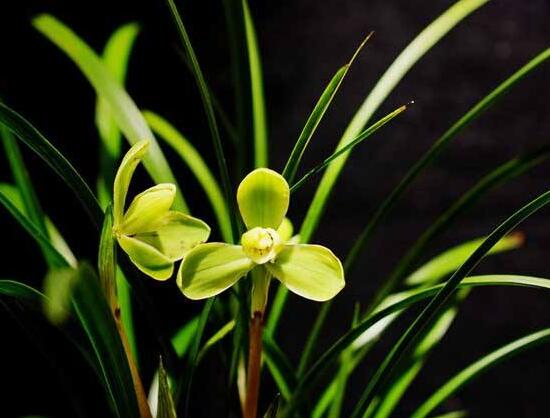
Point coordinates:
[(121, 106), (480, 366), (423, 42), (27, 133), (448, 261), (316, 116), (115, 56), (198, 167), (406, 299), (257, 90), (438, 302)]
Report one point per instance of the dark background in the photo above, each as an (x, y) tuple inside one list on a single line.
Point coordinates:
[(303, 43)]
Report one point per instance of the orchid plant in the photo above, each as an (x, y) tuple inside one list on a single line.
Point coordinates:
[(242, 326)]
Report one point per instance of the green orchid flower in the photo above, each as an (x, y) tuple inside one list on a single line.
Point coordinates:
[(311, 271), (153, 236)]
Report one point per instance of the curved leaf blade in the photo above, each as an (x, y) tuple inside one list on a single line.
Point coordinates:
[(480, 366), (121, 106), (27, 133)]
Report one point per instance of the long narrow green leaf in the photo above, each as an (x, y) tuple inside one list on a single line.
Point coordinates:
[(106, 260), (434, 335), (406, 299), (279, 366), (57, 260), (476, 111), (209, 110), (451, 259), (214, 339), (438, 302), (22, 179), (46, 341), (27, 133), (257, 90), (26, 190), (21, 291), (369, 337), (480, 366), (340, 152), (165, 403), (198, 167), (393, 75), (184, 337), (239, 71), (322, 105), (183, 394), (122, 108), (282, 292), (97, 320), (495, 178), (13, 194), (454, 414), (116, 55)]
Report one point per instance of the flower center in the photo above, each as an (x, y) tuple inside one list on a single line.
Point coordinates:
[(261, 244)]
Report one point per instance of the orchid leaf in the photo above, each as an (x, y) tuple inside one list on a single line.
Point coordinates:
[(197, 165), (480, 366), (121, 106), (257, 90)]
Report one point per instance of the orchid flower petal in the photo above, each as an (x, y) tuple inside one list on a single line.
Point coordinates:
[(175, 234), (147, 208), (209, 269), (147, 258), (263, 198), (124, 176), (311, 271)]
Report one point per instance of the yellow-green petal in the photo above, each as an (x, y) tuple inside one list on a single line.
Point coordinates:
[(124, 175), (175, 234), (286, 229), (263, 198), (209, 269), (147, 258), (311, 271), (147, 208)]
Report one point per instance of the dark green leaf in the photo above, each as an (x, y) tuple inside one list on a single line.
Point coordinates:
[(480, 366), (165, 403), (279, 367), (257, 90), (435, 150), (45, 150), (106, 261), (97, 320), (407, 299), (316, 116), (438, 302), (210, 115)]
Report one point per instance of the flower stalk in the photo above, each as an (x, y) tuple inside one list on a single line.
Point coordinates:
[(254, 365)]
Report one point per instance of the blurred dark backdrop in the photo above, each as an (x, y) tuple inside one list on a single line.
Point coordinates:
[(303, 42)]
